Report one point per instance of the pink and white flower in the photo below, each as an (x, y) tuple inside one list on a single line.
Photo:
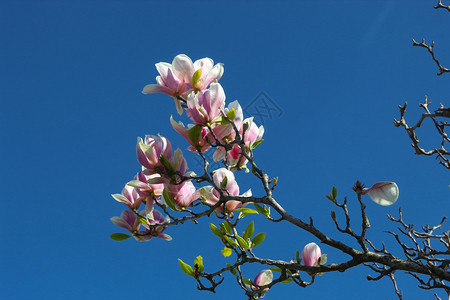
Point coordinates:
[(212, 196), (263, 278), (383, 193), (150, 149), (205, 106)]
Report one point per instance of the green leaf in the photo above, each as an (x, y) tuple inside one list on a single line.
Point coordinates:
[(119, 236), (297, 256), (247, 281), (249, 231), (255, 144), (216, 230), (334, 192), (221, 120), (242, 215), (233, 271), (266, 211), (287, 281), (227, 226), (231, 114), (166, 163), (275, 270), (194, 133), (230, 241), (223, 184), (247, 210), (258, 239), (243, 243), (259, 208), (142, 220), (169, 200), (196, 77), (226, 251), (186, 268), (199, 262)]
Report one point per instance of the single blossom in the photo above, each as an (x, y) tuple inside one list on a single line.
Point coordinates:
[(149, 186), (205, 106), (212, 196), (153, 217), (171, 80), (383, 193), (127, 220), (130, 197), (252, 134), (209, 73), (150, 149), (201, 141), (183, 194), (311, 254), (184, 69), (263, 278)]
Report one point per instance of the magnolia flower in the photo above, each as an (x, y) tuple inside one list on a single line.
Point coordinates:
[(383, 193), (147, 185), (171, 81), (183, 194), (130, 197), (252, 134), (311, 254), (175, 78), (183, 131), (150, 149), (212, 196), (127, 220), (263, 278), (185, 70), (153, 217), (205, 106)]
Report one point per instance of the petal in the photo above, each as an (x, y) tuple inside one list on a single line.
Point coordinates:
[(215, 74), (183, 68)]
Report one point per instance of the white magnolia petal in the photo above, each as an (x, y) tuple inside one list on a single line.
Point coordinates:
[(384, 193)]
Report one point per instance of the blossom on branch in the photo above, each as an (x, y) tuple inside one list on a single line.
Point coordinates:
[(383, 193), (150, 149), (263, 278), (175, 78), (205, 106), (225, 180)]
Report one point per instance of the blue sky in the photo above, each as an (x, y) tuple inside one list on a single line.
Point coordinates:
[(72, 74)]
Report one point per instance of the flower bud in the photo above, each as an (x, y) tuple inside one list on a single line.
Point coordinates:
[(310, 254), (383, 193), (263, 278)]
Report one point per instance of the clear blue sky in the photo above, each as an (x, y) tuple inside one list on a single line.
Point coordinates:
[(71, 109)]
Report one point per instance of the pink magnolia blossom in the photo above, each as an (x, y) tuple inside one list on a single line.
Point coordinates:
[(130, 197), (183, 131), (263, 278), (185, 69), (171, 80), (178, 162), (153, 217), (310, 254), (183, 194), (209, 73), (127, 220), (212, 196), (149, 186), (383, 193), (175, 78), (251, 135), (205, 106), (150, 149)]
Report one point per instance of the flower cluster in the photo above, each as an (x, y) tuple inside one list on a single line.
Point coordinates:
[(164, 180)]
